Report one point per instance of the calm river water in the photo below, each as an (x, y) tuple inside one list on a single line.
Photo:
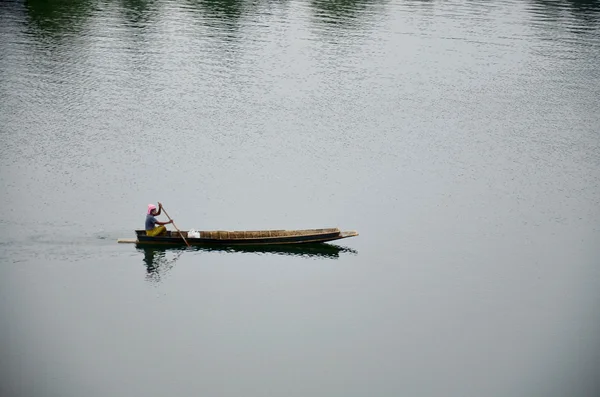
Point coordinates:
[(459, 138)]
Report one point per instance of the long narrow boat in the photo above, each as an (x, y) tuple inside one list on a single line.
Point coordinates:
[(257, 237)]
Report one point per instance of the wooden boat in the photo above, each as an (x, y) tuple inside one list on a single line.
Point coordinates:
[(231, 238)]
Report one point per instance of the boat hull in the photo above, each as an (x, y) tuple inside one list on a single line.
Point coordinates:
[(245, 238)]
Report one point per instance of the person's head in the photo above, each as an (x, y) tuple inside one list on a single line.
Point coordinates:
[(151, 209)]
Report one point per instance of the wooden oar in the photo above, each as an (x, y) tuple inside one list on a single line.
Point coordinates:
[(163, 208)]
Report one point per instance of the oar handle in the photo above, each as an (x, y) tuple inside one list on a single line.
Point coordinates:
[(167, 214)]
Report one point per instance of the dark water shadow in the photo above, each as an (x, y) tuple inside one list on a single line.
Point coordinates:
[(158, 259), (346, 22), (223, 9), (585, 12), (346, 14), (138, 13), (58, 18), (222, 16), (339, 11), (61, 19)]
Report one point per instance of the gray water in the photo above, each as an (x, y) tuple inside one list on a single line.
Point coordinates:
[(459, 138)]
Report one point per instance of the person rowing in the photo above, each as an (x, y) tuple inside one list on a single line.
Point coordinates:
[(151, 222)]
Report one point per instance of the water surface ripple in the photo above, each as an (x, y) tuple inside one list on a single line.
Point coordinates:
[(460, 138)]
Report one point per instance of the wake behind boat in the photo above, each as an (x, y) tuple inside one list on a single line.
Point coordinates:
[(250, 237)]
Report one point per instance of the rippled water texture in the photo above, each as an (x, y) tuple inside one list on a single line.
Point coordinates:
[(459, 138)]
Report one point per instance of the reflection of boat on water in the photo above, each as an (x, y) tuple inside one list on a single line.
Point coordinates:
[(317, 250), (157, 260)]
